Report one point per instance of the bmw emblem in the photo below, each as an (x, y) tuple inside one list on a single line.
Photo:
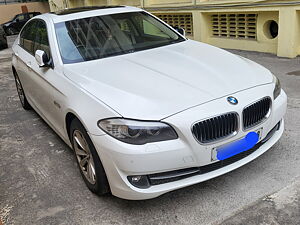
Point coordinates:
[(232, 100)]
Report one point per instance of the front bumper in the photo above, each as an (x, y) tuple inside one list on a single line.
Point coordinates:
[(121, 160)]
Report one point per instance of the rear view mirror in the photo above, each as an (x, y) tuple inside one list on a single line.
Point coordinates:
[(42, 58)]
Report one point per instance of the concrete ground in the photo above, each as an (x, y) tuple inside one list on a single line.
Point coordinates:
[(41, 184)]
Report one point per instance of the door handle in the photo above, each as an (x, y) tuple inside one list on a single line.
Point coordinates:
[(28, 64)]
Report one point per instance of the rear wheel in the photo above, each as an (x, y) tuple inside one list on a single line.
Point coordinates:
[(88, 160), (25, 104)]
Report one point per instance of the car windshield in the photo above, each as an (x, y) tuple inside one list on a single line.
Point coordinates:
[(109, 35)]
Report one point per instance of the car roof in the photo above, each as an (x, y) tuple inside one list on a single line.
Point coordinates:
[(83, 9), (83, 12)]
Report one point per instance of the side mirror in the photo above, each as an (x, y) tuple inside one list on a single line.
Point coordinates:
[(42, 58), (17, 20), (180, 30)]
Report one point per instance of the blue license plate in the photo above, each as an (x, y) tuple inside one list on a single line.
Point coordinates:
[(234, 148)]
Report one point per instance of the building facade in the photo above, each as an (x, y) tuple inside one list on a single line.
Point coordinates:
[(271, 26)]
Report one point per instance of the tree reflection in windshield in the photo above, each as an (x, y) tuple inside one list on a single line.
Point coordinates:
[(103, 36)]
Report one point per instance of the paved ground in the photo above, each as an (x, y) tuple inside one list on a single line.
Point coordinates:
[(40, 183), (282, 207)]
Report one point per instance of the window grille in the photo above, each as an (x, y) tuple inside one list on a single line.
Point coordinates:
[(242, 26), (183, 20)]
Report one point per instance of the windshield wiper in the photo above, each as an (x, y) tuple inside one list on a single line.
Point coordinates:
[(129, 51)]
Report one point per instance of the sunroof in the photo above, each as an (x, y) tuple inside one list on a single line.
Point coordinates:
[(83, 9)]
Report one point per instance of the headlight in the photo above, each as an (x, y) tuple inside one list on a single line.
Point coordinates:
[(137, 132), (277, 89)]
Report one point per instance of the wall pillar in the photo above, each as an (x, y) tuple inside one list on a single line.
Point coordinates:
[(288, 34), (196, 25), (204, 27)]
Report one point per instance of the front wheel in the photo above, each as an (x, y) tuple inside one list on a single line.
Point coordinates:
[(88, 160)]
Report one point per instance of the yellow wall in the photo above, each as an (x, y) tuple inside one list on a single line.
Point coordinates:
[(202, 24), (286, 44), (7, 12), (56, 5)]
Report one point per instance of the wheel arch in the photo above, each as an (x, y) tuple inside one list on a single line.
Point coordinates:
[(70, 116), (68, 120)]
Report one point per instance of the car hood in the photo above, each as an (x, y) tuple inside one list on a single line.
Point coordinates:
[(156, 83)]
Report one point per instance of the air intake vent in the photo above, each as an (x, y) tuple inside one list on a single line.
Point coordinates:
[(216, 128), (234, 25), (254, 114), (183, 20)]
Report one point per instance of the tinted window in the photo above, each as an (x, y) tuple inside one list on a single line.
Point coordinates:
[(103, 36), (21, 17), (41, 41), (27, 36)]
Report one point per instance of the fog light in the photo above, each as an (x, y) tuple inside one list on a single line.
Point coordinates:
[(139, 181)]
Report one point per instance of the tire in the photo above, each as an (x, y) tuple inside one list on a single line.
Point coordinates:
[(88, 158), (25, 104)]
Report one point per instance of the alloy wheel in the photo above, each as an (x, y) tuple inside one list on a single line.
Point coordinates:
[(84, 157)]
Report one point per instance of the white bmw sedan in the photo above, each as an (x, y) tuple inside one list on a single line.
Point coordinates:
[(145, 110)]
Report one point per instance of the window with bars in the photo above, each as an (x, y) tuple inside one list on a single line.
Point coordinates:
[(183, 20), (239, 26)]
